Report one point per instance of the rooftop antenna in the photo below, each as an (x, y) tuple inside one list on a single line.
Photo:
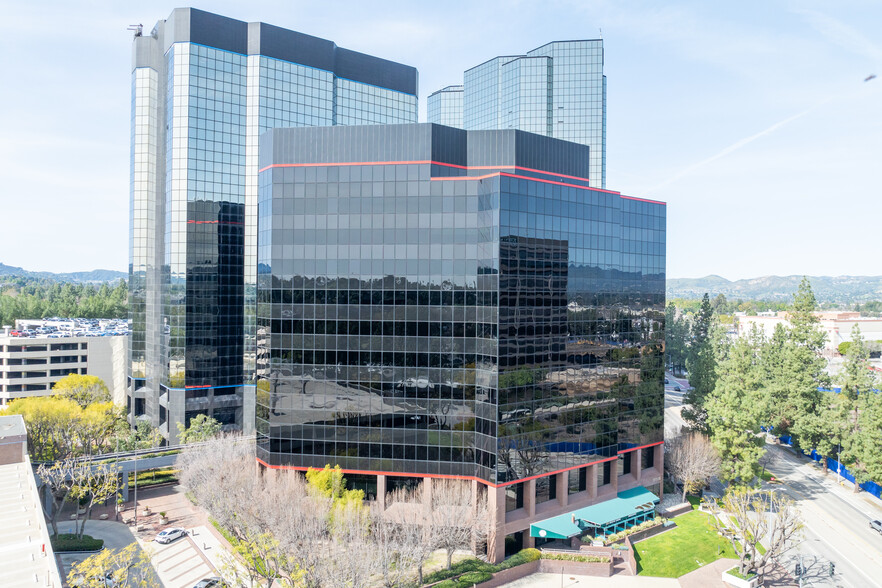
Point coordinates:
[(601, 32), (138, 29)]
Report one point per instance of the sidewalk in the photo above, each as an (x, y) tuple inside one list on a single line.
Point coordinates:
[(618, 581), (844, 491)]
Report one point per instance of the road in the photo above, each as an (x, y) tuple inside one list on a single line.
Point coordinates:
[(836, 525), (673, 404)]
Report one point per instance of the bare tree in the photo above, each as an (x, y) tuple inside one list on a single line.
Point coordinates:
[(749, 517), (692, 460), (351, 555), (299, 520), (92, 483), (222, 476), (458, 519), (402, 539), (58, 482)]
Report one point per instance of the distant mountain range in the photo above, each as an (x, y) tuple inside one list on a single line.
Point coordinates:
[(842, 289), (94, 276)]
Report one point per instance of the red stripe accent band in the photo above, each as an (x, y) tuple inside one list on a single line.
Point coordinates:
[(468, 178), (449, 477), (630, 449), (645, 200), (427, 161), (212, 222)]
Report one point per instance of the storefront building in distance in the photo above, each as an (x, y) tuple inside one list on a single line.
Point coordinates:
[(434, 302)]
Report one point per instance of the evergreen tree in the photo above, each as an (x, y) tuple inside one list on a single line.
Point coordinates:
[(860, 413), (799, 373), (702, 363), (735, 409), (720, 305)]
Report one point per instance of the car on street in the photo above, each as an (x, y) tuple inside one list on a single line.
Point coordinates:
[(170, 534), (214, 582), (876, 526)]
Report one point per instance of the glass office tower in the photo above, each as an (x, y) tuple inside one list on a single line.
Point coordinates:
[(204, 87), (444, 106), (557, 90), (439, 302)]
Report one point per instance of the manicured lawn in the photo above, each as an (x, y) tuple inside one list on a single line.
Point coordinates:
[(688, 547)]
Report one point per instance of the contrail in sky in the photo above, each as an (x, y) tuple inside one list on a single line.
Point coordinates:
[(733, 147)]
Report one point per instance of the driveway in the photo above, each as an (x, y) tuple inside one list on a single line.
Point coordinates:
[(115, 535)]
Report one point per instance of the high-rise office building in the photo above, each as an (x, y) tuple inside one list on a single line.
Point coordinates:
[(557, 90), (444, 107), (434, 302), (204, 87)]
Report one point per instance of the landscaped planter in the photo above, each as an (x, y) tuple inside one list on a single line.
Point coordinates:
[(738, 582)]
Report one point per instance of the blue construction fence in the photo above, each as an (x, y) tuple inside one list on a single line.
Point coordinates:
[(833, 465)]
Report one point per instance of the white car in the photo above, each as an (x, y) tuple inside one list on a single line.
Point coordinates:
[(170, 534)]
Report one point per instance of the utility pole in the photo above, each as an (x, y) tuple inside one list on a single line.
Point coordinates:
[(136, 490), (839, 464)]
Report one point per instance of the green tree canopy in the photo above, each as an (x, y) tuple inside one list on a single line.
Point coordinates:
[(329, 482), (202, 428), (82, 389), (59, 428), (735, 409)]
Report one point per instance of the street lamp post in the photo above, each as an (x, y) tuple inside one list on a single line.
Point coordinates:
[(136, 490), (839, 465)]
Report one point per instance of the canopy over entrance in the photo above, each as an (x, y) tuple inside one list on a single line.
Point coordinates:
[(629, 508)]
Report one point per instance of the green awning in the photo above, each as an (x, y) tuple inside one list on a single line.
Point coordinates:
[(623, 507)]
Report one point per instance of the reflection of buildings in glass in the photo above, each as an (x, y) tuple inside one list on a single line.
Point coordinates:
[(203, 89), (457, 304)]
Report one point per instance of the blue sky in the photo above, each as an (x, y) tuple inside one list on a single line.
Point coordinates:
[(751, 119)]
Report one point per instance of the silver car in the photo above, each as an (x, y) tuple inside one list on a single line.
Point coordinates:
[(170, 534)]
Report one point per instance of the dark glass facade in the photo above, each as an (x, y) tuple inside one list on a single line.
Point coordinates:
[(445, 302), (204, 88)]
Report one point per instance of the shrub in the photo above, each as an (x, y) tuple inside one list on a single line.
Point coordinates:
[(574, 557), (459, 568), (521, 557), (735, 572), (615, 537), (154, 477), (69, 542)]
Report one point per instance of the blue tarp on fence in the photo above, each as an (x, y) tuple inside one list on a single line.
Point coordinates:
[(833, 465)]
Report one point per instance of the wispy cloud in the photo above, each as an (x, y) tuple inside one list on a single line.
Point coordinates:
[(733, 147), (842, 34)]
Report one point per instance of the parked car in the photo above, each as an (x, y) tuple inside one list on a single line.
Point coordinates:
[(214, 582), (170, 534), (876, 526), (81, 582)]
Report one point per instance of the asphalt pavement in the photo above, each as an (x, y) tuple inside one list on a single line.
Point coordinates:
[(836, 525)]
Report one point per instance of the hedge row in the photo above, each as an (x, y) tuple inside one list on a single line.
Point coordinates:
[(469, 572), (467, 580), (154, 477), (69, 542), (574, 557)]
